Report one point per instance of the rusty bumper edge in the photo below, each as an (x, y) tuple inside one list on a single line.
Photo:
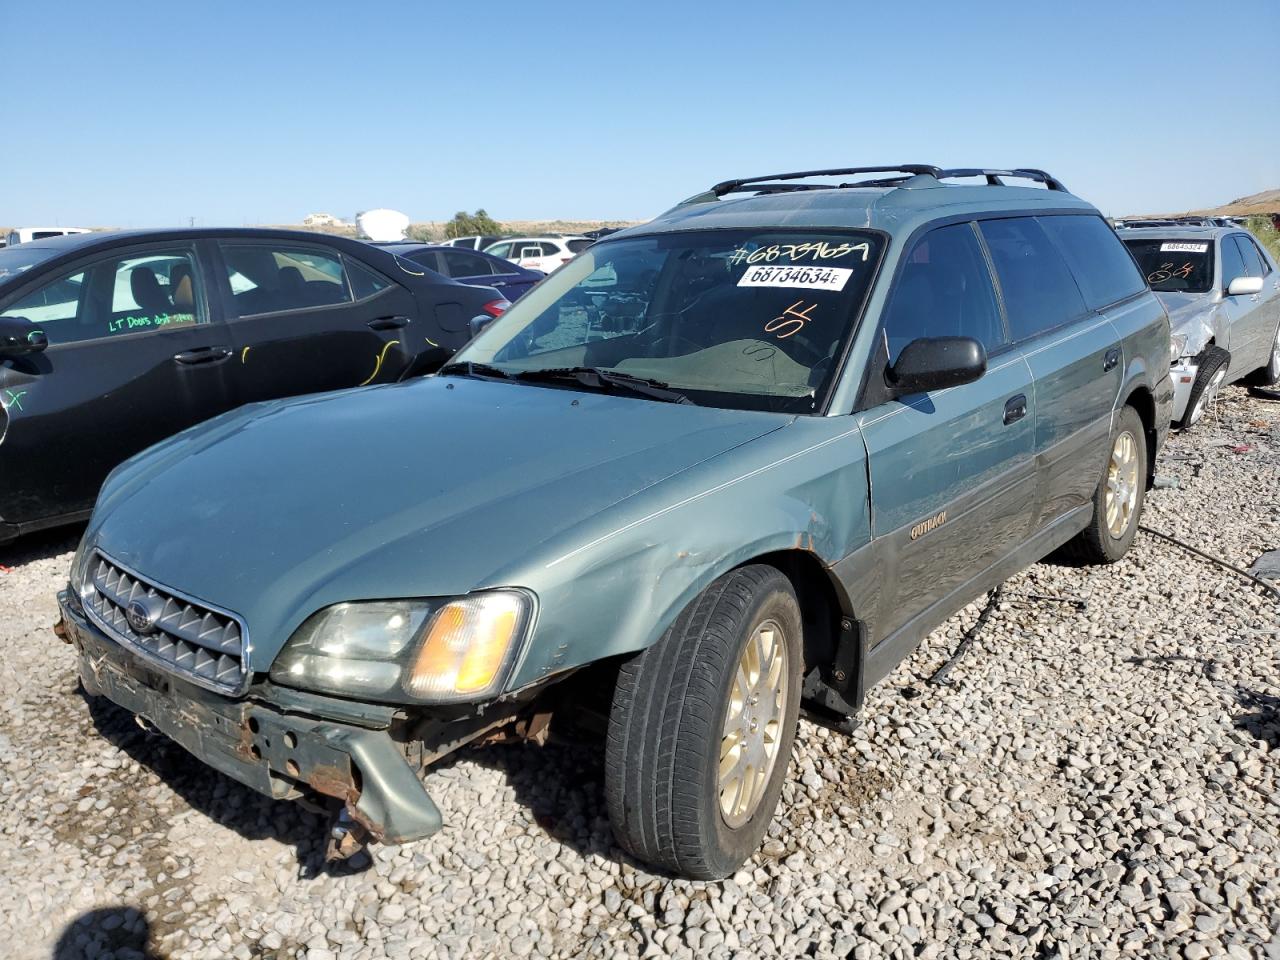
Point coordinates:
[(363, 768)]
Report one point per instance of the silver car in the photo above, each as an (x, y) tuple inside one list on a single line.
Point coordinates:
[(1222, 291)]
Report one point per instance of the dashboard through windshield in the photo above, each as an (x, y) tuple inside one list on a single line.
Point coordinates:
[(749, 319)]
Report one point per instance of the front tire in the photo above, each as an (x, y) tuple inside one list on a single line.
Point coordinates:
[(1210, 374), (702, 724), (1117, 503)]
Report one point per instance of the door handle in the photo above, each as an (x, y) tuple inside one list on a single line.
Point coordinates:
[(203, 355), (387, 323), (1015, 408), (1111, 359)]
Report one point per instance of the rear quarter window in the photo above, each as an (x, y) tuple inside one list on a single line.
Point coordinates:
[(1102, 267), (1039, 291)]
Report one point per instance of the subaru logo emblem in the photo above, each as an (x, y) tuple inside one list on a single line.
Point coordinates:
[(143, 614)]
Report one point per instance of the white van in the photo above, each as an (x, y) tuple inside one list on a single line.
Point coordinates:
[(27, 234)]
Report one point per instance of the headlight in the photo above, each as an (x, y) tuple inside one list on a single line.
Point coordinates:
[(408, 650), (1177, 343)]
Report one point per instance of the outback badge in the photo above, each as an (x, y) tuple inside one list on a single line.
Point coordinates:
[(927, 526)]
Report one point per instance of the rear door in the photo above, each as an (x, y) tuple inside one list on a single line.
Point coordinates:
[(135, 354), (952, 476), (306, 318), (1074, 354)]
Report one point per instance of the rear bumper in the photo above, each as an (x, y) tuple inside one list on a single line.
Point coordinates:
[(282, 755)]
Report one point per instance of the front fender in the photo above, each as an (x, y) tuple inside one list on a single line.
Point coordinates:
[(619, 584)]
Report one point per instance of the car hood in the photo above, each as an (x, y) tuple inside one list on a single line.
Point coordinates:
[(425, 488)]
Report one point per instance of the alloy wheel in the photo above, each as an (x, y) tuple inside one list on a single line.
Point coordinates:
[(753, 723), (1122, 484)]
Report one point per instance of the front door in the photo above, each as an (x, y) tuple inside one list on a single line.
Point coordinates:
[(952, 478), (304, 318), (1257, 313), (134, 356)]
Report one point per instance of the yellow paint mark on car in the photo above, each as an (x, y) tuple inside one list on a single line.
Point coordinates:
[(378, 366), (244, 353)]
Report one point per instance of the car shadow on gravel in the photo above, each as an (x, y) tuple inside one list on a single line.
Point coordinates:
[(119, 931), (561, 784), (40, 546), (223, 800)]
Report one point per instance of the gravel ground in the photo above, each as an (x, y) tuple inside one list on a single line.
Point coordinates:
[(1096, 782)]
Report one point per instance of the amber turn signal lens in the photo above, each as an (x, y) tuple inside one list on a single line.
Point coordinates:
[(467, 645)]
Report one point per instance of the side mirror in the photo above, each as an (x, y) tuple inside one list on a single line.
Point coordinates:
[(935, 363), (20, 337), (479, 322), (1244, 286)]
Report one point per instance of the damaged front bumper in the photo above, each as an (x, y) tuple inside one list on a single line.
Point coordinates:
[(286, 751), (1183, 373)]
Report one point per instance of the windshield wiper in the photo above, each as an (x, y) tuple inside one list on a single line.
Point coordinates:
[(597, 378), (481, 371)]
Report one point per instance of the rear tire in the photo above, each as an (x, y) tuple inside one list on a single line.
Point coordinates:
[(694, 765), (1211, 371), (1117, 503)]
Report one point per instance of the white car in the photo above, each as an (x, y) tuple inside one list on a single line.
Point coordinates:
[(470, 243), (27, 234), (539, 253)]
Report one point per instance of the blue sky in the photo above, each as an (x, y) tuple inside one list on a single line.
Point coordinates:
[(142, 113)]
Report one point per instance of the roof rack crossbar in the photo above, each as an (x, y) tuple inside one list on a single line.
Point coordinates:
[(729, 186), (994, 176)]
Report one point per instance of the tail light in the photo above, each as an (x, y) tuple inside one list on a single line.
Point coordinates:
[(496, 308), (565, 259)]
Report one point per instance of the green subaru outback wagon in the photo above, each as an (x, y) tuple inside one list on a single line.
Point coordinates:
[(719, 469)]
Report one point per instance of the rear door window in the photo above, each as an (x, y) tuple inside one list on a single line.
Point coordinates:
[(364, 282), (1039, 291), (1100, 263), (270, 278), (460, 264), (944, 290)]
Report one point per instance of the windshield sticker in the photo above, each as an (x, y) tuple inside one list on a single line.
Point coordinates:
[(1167, 272), (808, 278), (791, 321), (1184, 248), (815, 250)]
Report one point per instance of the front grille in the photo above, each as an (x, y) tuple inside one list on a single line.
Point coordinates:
[(201, 644)]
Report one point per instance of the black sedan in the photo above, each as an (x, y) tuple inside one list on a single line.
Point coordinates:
[(471, 266), (110, 342)]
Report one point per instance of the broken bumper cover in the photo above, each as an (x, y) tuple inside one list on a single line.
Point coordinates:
[(275, 753), (1183, 374)]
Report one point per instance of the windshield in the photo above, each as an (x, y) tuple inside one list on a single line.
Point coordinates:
[(749, 319), (1184, 266), (15, 261)]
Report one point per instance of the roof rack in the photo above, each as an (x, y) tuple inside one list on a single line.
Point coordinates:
[(730, 186), (905, 171), (994, 176)]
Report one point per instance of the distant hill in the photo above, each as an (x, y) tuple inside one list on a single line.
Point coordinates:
[(1266, 202)]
